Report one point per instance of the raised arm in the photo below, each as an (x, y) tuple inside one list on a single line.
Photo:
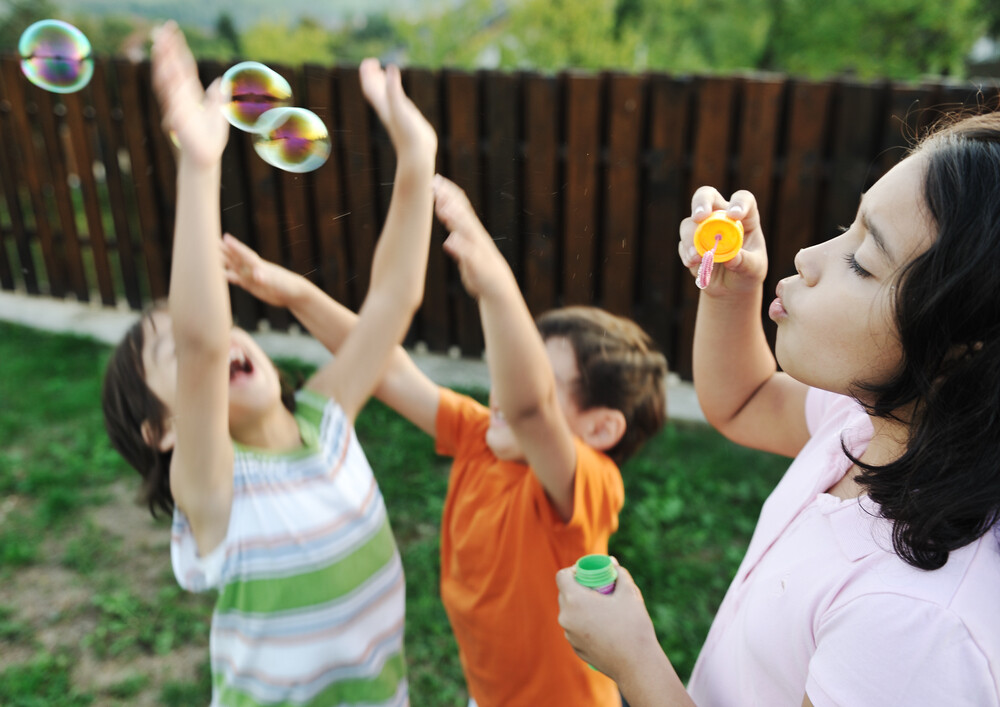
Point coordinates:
[(202, 464), (404, 387), (739, 387), (400, 261), (523, 384)]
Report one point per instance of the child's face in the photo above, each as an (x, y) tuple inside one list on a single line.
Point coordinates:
[(254, 386), (500, 437), (835, 317)]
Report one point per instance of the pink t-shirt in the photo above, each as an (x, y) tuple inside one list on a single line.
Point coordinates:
[(822, 606)]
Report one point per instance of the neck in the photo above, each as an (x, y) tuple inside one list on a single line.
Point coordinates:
[(888, 443), (277, 431)]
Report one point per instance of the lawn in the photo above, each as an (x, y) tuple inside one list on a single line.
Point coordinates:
[(90, 613)]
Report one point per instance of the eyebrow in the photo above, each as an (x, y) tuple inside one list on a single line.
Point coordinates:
[(876, 235)]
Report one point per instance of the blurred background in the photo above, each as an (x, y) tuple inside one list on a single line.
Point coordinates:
[(895, 39)]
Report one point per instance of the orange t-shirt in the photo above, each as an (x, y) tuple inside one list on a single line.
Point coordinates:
[(501, 546)]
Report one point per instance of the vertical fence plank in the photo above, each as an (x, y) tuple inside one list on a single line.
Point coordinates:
[(80, 139), (23, 114), (59, 170), (758, 142), (855, 128), (541, 188), (664, 204), (464, 167), (356, 147), (108, 118), (501, 194), (327, 190), (265, 214), (583, 154), (800, 188), (153, 234), (423, 87), (626, 106), (9, 184), (710, 166), (296, 221)]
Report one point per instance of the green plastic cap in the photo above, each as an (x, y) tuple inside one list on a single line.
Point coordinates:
[(595, 571)]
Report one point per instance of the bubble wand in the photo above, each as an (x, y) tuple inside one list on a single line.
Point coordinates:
[(717, 239)]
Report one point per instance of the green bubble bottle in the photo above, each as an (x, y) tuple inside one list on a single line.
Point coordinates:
[(597, 572)]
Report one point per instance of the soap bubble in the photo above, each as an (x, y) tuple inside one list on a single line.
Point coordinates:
[(293, 139), (56, 56), (251, 89)]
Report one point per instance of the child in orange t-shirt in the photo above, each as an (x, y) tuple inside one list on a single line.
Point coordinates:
[(535, 481)]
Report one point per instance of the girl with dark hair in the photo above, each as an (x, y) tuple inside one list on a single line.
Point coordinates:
[(873, 575)]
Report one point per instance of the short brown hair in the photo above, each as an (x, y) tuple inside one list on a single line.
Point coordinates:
[(620, 368)]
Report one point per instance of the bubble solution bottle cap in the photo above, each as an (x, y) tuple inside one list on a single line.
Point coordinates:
[(719, 228), (597, 572)]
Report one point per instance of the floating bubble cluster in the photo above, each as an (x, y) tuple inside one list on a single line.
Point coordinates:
[(252, 89), (56, 56), (293, 139)]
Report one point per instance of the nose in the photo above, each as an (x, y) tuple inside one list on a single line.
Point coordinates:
[(806, 264)]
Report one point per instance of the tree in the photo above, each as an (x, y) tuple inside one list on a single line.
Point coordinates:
[(20, 15)]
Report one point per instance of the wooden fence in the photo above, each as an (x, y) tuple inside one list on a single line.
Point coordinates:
[(582, 180)]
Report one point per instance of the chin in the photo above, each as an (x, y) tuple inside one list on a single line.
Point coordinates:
[(503, 445)]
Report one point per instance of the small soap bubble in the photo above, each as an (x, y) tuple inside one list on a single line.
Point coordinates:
[(293, 139), (251, 89), (56, 56)]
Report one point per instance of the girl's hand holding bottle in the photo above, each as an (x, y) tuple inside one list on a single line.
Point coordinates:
[(746, 270)]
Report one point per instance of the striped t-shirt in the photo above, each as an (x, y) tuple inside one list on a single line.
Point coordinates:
[(311, 593)]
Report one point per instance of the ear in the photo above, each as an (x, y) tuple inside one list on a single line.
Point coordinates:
[(166, 441), (603, 428)]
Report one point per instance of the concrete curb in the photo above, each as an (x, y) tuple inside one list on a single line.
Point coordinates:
[(108, 325)]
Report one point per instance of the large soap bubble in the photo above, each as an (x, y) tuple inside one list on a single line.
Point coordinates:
[(293, 139), (251, 89), (56, 56)]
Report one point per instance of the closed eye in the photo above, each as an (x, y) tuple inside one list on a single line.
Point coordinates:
[(855, 266)]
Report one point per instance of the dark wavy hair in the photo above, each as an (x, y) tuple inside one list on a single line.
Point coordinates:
[(128, 402), (944, 491), (620, 368)]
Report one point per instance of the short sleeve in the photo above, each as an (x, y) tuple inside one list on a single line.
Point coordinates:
[(598, 497), (193, 572), (890, 650), (459, 420)]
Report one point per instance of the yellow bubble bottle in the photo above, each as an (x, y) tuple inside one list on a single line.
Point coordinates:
[(717, 239)]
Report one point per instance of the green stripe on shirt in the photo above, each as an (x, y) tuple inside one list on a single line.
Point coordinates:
[(357, 691), (311, 588)]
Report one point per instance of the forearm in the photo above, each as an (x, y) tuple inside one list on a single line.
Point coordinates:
[(520, 373), (399, 265), (732, 358), (649, 680), (199, 298)]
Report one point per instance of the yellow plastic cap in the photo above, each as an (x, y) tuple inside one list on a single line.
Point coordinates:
[(729, 232)]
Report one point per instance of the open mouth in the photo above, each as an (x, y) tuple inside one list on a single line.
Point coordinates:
[(239, 365)]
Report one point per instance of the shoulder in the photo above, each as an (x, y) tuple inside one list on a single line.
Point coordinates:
[(459, 419), (826, 410), (931, 620)]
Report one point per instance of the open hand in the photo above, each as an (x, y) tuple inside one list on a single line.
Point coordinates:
[(267, 281), (480, 263), (192, 114), (408, 129), (747, 270)]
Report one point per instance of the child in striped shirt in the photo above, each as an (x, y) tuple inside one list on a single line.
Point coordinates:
[(274, 503)]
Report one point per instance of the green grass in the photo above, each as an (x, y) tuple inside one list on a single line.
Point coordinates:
[(692, 500)]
